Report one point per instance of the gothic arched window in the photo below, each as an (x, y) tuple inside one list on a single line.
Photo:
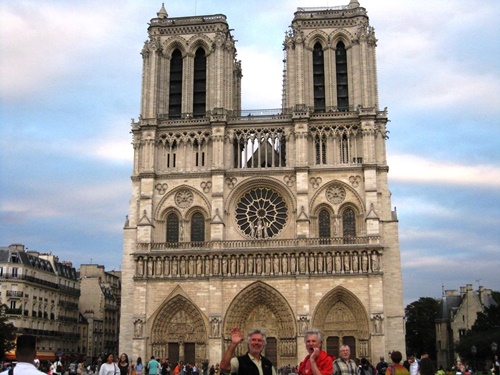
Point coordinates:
[(320, 149), (172, 228), (324, 224), (197, 228), (200, 83), (349, 223), (341, 69), (319, 78), (175, 98)]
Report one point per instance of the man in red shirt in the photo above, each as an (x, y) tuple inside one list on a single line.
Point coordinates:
[(317, 362)]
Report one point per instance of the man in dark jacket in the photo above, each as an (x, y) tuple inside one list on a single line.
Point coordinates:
[(249, 363)]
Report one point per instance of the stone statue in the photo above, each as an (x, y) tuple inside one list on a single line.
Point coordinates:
[(375, 265)]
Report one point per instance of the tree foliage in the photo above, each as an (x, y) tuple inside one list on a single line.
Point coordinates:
[(420, 327), (483, 333), (7, 334)]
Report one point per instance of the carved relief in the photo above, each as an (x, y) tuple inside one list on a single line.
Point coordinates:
[(335, 194), (215, 323), (138, 328), (377, 323), (161, 188), (355, 180), (262, 264), (303, 323), (231, 182), (184, 198), (289, 180), (315, 182), (206, 186)]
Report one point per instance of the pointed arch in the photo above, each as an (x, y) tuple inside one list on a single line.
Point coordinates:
[(175, 81), (200, 40), (200, 83), (168, 203), (342, 75), (260, 305), (318, 36), (171, 44), (352, 197), (177, 321), (343, 319), (318, 64)]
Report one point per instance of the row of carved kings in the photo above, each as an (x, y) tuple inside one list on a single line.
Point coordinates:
[(260, 264)]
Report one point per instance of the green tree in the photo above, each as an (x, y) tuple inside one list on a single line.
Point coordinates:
[(485, 331), (420, 327), (7, 334)]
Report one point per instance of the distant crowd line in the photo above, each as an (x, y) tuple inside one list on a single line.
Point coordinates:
[(317, 362)]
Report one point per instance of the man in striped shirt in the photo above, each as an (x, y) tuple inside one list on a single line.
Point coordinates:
[(344, 365)]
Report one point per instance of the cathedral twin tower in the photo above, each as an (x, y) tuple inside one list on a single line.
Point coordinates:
[(276, 219)]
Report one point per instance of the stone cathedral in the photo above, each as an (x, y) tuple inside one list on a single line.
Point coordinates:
[(277, 219)]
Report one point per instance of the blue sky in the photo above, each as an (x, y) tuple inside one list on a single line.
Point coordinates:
[(70, 83)]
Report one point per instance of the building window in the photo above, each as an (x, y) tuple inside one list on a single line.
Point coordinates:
[(349, 223), (259, 148), (172, 154), (319, 78), (320, 148), (175, 99), (341, 69), (199, 155), (200, 83), (197, 228), (324, 224), (14, 271), (261, 213), (173, 228), (344, 149)]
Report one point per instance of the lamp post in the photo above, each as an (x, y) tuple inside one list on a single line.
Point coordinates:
[(473, 350)]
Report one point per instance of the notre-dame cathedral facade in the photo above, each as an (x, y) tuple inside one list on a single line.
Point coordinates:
[(276, 219)]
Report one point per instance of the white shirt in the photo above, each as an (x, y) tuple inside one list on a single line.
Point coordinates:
[(414, 367), (24, 368), (109, 369)]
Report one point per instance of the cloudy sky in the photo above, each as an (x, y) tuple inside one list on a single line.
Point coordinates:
[(70, 83)]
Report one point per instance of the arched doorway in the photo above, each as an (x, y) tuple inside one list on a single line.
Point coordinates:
[(261, 306), (343, 320), (178, 331)]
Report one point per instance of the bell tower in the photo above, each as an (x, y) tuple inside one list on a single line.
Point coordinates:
[(330, 64), (189, 67), (279, 219)]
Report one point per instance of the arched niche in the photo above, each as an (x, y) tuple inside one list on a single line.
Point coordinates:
[(261, 306)]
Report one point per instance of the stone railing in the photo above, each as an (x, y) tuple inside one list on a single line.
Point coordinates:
[(260, 244), (264, 263)]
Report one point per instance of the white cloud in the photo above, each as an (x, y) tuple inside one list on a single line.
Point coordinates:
[(411, 168), (55, 45), (262, 79)]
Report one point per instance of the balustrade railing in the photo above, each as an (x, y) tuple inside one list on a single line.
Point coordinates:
[(14, 293), (260, 244)]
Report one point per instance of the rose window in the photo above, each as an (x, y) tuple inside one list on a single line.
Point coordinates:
[(261, 213)]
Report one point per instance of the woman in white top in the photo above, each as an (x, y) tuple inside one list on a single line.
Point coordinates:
[(109, 367)]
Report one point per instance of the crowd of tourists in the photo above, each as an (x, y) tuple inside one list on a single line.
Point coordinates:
[(317, 362)]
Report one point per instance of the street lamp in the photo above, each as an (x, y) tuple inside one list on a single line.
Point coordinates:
[(473, 350)]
